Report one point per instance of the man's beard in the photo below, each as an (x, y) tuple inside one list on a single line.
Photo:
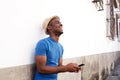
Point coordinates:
[(58, 33)]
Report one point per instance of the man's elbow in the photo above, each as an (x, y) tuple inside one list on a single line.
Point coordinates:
[(41, 71)]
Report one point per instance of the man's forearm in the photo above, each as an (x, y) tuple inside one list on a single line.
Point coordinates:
[(51, 69)]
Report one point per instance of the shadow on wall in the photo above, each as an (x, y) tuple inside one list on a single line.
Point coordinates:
[(33, 71)]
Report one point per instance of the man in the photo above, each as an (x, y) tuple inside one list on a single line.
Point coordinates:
[(49, 52)]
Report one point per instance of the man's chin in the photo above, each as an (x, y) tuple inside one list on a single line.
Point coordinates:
[(58, 33), (61, 32)]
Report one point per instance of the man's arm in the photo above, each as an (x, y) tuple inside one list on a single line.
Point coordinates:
[(43, 69), (61, 62)]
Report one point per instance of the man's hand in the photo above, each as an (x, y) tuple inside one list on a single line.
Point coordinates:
[(72, 67)]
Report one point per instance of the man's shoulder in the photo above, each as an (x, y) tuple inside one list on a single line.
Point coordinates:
[(43, 40)]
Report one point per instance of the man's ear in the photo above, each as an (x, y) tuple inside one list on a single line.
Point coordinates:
[(49, 28)]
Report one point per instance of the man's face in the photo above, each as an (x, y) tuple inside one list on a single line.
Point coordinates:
[(56, 26)]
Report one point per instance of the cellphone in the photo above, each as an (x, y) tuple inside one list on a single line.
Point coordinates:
[(81, 65)]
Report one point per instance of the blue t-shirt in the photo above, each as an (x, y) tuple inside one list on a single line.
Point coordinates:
[(53, 51)]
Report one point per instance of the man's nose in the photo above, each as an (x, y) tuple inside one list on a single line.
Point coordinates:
[(61, 24)]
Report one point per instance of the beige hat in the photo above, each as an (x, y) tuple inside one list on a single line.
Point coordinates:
[(46, 22)]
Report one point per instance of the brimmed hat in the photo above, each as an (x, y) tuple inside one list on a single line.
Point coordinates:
[(46, 22)]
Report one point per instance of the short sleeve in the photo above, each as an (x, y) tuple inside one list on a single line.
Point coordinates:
[(40, 49), (62, 51)]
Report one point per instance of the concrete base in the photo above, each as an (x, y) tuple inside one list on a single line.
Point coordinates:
[(24, 72), (97, 67)]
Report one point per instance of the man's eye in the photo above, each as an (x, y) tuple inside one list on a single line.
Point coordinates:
[(57, 22)]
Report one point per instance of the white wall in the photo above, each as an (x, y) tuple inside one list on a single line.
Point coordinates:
[(20, 29)]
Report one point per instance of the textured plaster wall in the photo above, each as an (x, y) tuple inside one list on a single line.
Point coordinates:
[(25, 72), (105, 66)]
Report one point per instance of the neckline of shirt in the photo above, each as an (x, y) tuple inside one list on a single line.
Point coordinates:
[(52, 39)]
